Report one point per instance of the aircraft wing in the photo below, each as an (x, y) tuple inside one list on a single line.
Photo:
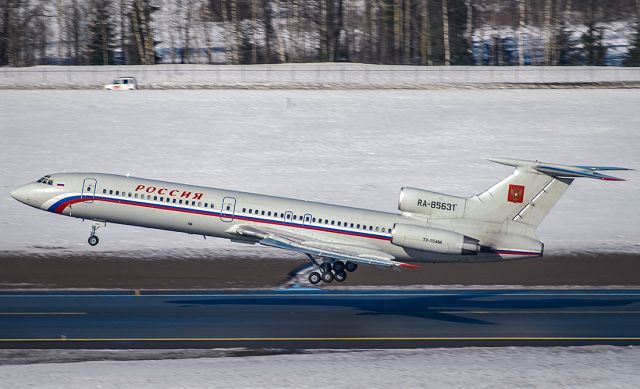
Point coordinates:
[(319, 248)]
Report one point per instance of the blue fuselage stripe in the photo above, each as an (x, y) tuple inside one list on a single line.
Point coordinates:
[(167, 207)]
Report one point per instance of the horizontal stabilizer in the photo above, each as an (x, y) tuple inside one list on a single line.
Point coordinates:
[(562, 171)]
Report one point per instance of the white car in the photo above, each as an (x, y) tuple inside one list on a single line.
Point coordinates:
[(122, 83)]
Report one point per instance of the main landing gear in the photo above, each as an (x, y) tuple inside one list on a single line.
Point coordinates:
[(331, 270), (93, 238)]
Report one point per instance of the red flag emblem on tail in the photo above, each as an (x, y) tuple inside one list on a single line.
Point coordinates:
[(516, 193)]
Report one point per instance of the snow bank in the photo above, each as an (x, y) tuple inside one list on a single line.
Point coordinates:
[(558, 367), (353, 148)]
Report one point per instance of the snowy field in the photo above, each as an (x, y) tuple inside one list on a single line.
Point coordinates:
[(513, 367), (312, 76), (352, 148)]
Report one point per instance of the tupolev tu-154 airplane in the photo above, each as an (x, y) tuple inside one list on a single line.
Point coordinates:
[(496, 225)]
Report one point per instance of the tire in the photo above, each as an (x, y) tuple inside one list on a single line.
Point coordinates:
[(341, 276), (93, 240), (325, 266), (314, 277), (327, 276), (338, 267), (351, 267)]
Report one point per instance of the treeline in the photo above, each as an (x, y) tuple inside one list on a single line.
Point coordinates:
[(418, 32)]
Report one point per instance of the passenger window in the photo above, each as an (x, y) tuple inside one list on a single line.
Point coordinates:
[(199, 204), (358, 225), (294, 217), (174, 201), (180, 201), (269, 213), (332, 222), (206, 205), (136, 195), (161, 198), (370, 228), (281, 214), (262, 213), (193, 203), (110, 191), (377, 229), (104, 191), (130, 194), (117, 192), (154, 197), (339, 224), (351, 225), (314, 219)]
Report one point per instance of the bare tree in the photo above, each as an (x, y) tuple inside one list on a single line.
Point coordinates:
[(406, 26), (397, 23), (254, 31), (445, 33), (521, 30), (547, 32), (425, 35), (469, 29)]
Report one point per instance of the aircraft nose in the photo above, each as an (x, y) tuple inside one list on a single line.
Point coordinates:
[(21, 194)]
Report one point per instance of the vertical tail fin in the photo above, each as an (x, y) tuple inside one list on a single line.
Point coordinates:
[(529, 193)]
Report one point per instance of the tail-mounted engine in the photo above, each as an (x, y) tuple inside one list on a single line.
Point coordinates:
[(433, 239)]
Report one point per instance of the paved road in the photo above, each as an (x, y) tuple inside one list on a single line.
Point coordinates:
[(318, 319)]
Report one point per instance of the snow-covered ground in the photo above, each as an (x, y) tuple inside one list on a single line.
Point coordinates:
[(313, 75), (353, 148), (512, 367)]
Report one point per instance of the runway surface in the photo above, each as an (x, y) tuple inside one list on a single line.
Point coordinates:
[(318, 319)]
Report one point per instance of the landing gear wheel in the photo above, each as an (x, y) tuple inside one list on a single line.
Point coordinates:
[(325, 267), (314, 277), (351, 267), (340, 276), (93, 240), (327, 276), (338, 267)]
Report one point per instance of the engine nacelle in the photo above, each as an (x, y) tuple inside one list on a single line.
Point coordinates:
[(434, 240), (431, 203)]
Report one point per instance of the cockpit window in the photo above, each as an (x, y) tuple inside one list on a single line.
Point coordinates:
[(46, 180)]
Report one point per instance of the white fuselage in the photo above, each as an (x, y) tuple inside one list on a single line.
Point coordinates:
[(215, 212)]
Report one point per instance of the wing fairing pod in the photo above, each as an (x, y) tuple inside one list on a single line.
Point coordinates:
[(563, 171)]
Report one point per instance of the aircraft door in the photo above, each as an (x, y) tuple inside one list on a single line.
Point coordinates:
[(228, 210), (88, 190), (307, 218), (288, 217)]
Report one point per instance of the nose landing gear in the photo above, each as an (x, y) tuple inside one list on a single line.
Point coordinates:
[(93, 238)]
